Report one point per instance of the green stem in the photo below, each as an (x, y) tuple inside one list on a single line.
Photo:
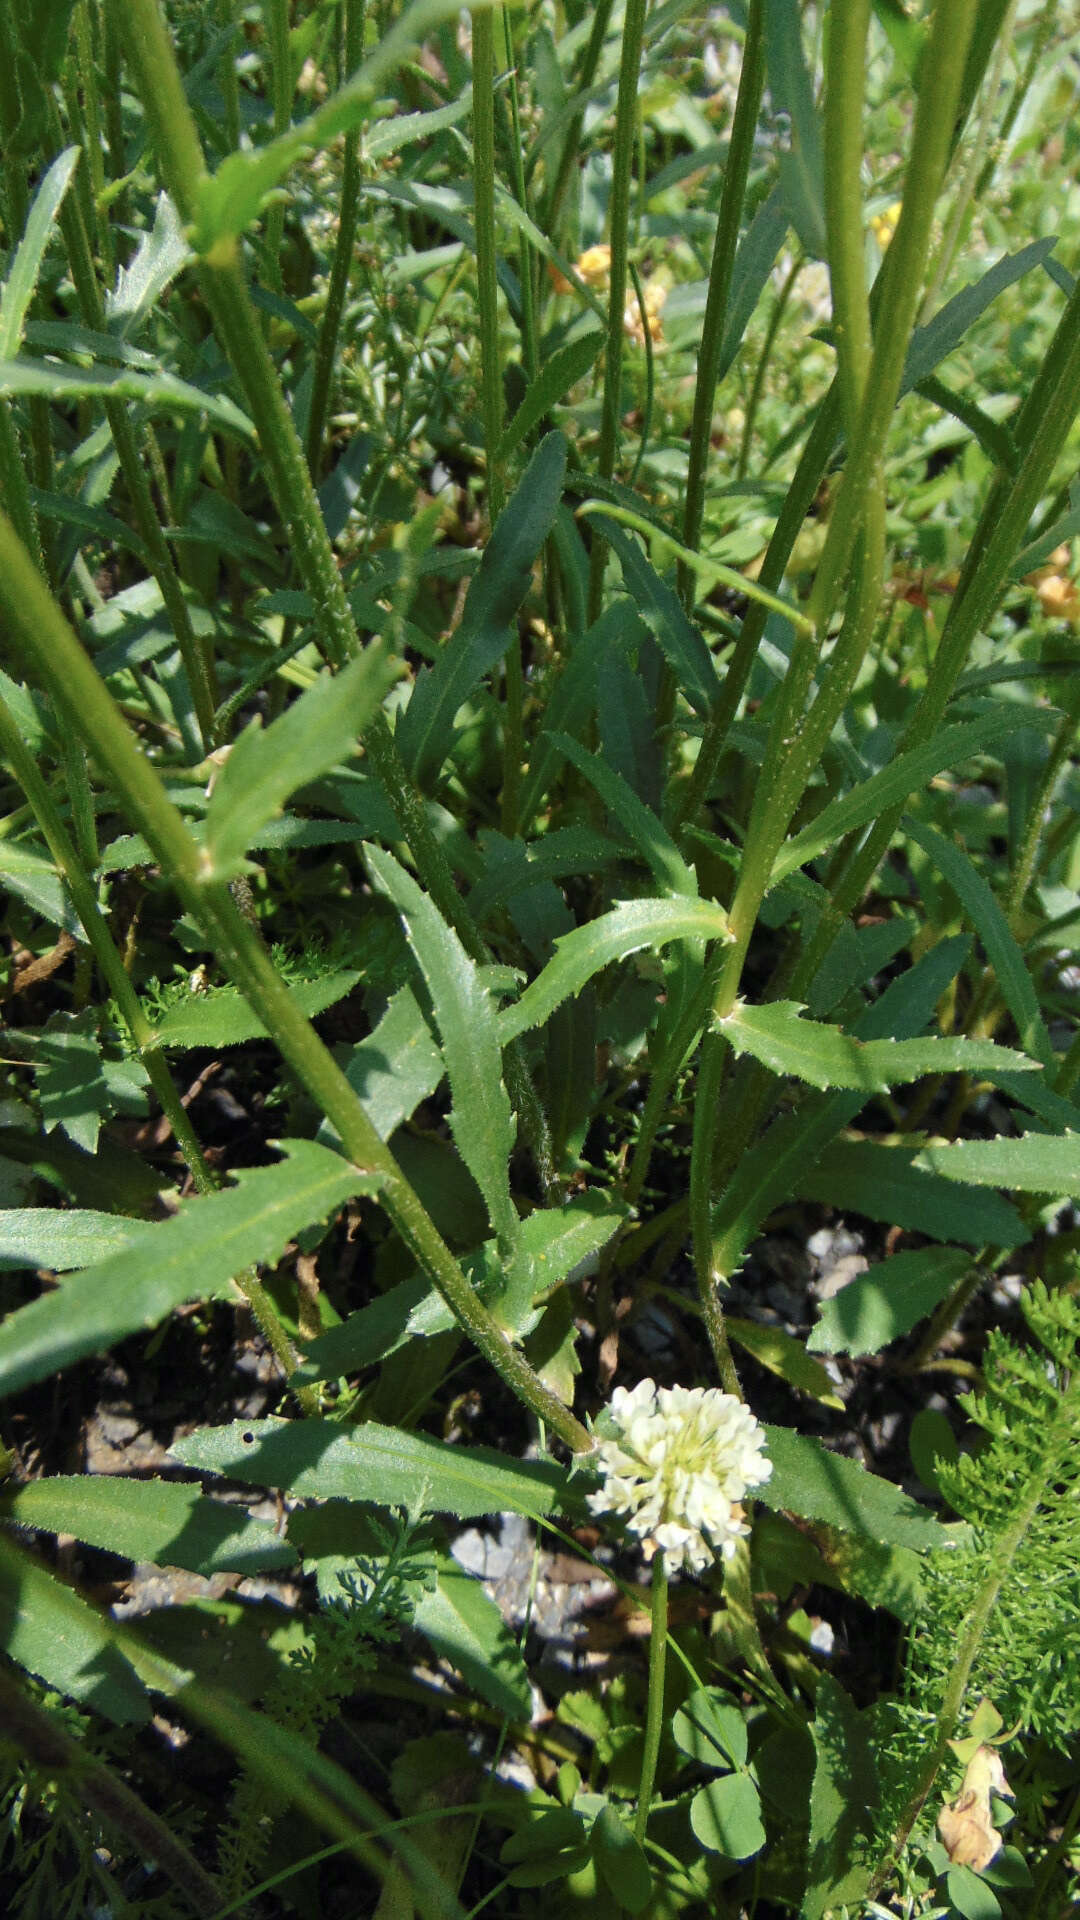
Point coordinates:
[(901, 277), (50, 645), (736, 173), (1036, 820), (348, 211), (849, 22), (571, 147), (621, 167), (758, 385), (180, 156), (654, 1715)]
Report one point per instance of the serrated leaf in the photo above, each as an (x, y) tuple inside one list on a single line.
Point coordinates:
[(565, 367), (621, 1860), (1013, 978), (710, 1729), (322, 1459), (223, 1018), (880, 1305), (1035, 1163), (659, 606), (158, 392), (52, 1632), (895, 1185), (22, 274), (463, 1623), (782, 1354), (904, 775), (611, 936), (726, 1817), (192, 1256), (158, 258), (48, 1237), (264, 768), (638, 821), (166, 1521), (809, 1480), (425, 731), (838, 1816), (824, 1056), (481, 1119)]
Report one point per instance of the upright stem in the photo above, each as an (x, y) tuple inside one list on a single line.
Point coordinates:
[(736, 172), (180, 157), (654, 1713), (348, 210), (621, 167), (49, 643)]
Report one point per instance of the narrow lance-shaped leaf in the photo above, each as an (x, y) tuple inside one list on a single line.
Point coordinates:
[(159, 392), (1013, 978), (63, 1241), (310, 737), (824, 1056), (903, 776), (22, 277), (193, 1256), (880, 1305), (1036, 1163), (651, 838), (322, 1459), (809, 1480), (52, 1632), (888, 1183), (659, 606), (165, 1521), (611, 936), (481, 1118), (563, 370), (425, 732)]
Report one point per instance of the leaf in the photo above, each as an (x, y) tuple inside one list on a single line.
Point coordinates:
[(573, 698), (22, 274), (425, 731), (57, 1636), (754, 260), (464, 1625), (903, 776), (880, 1305), (311, 736), (161, 1520), (809, 1480), (158, 258), (795, 1141), (710, 1729), (825, 1056), (565, 367), (611, 936), (548, 1847), (933, 343), (72, 1089), (223, 1018), (621, 1860), (480, 1118), (785, 1356), (159, 392), (726, 1816), (395, 1068), (367, 1335), (1035, 1163), (322, 1459), (974, 895), (844, 1788), (659, 606), (893, 1184), (802, 168), (638, 821), (193, 1256), (47, 1237)]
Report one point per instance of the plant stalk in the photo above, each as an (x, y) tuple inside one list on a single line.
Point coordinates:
[(654, 1713)]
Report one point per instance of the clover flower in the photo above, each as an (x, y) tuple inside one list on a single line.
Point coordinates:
[(677, 1467)]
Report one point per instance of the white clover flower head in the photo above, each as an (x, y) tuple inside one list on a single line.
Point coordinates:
[(676, 1468)]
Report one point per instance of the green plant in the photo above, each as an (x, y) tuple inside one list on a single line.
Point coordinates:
[(590, 775)]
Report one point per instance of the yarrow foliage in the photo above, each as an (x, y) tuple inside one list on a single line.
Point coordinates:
[(677, 1462)]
